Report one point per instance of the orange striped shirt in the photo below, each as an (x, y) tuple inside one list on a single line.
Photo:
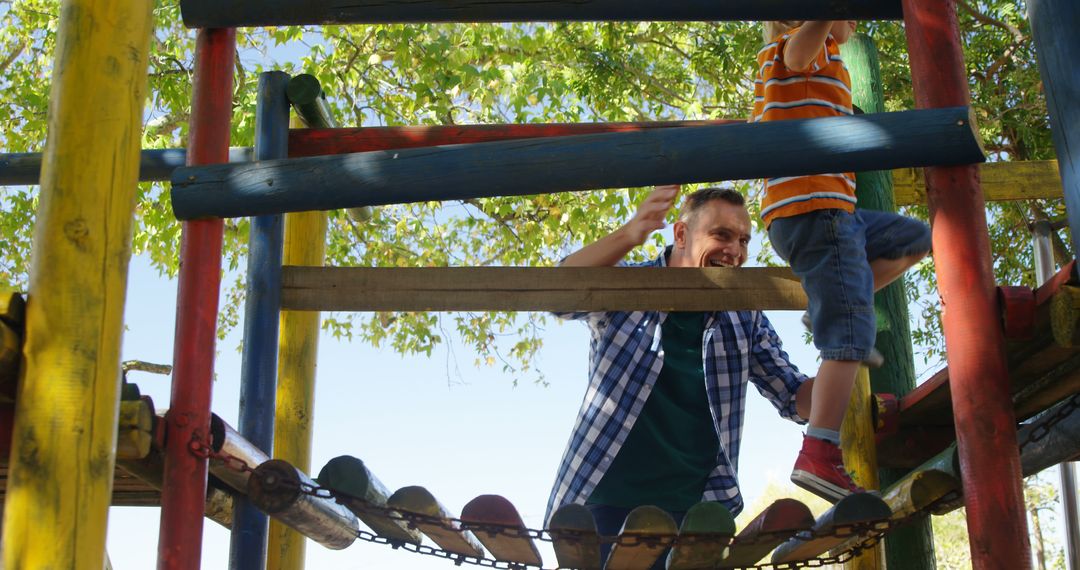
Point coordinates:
[(780, 94)]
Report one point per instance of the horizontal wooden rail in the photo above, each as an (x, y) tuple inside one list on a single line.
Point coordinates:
[(1001, 181), (562, 289), (241, 13), (574, 163)]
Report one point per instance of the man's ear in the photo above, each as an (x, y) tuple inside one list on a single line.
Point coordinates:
[(679, 232)]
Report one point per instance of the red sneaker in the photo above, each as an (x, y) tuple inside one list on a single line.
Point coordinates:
[(820, 470)]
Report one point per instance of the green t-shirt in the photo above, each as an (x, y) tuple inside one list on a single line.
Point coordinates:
[(672, 448)]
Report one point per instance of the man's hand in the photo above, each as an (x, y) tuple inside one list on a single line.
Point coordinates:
[(651, 213), (610, 249)]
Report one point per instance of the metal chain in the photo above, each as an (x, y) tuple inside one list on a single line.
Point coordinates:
[(872, 531), (1043, 426)]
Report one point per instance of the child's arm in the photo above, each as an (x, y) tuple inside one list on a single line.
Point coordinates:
[(803, 48), (610, 249)]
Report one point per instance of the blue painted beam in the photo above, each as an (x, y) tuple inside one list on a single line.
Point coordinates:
[(24, 168), (585, 162), (240, 13), (1057, 48), (258, 366)]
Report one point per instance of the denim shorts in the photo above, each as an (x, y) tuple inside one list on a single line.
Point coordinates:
[(831, 251)]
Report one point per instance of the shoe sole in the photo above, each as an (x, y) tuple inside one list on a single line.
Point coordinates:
[(818, 486)]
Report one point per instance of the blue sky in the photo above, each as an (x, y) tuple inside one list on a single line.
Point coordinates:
[(439, 422)]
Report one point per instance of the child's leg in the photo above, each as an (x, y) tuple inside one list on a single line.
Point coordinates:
[(893, 244), (832, 391)]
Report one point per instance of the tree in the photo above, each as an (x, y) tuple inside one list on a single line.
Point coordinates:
[(473, 73)]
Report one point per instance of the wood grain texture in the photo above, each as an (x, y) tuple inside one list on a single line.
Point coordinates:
[(538, 289), (1001, 182), (644, 521), (576, 542), (860, 508), (771, 527), (356, 487), (497, 510), (417, 499), (241, 13), (64, 444), (577, 163), (710, 521)]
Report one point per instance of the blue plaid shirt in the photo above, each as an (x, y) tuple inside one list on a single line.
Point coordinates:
[(625, 358)]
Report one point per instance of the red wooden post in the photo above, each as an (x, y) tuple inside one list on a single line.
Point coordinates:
[(985, 423), (184, 490)]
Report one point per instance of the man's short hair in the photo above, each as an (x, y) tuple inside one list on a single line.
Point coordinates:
[(695, 200), (776, 27)]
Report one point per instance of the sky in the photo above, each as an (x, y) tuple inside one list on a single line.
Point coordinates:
[(439, 422)]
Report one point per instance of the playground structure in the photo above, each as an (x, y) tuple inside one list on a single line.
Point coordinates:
[(1011, 351)]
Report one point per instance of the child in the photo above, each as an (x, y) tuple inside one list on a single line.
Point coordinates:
[(841, 255)]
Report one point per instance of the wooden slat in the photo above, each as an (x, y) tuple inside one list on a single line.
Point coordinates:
[(860, 508), (419, 500), (136, 429), (355, 486), (576, 542), (711, 522), (538, 289), (643, 522), (240, 13), (1001, 181), (780, 521), (496, 510)]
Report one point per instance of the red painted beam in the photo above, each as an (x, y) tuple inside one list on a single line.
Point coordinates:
[(975, 345), (319, 142), (183, 493)]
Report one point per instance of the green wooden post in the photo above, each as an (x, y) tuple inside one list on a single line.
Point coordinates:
[(910, 547)]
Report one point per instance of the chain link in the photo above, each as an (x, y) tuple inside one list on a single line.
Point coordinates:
[(1043, 426), (872, 531)]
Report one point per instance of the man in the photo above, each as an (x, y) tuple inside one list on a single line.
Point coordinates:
[(662, 417)]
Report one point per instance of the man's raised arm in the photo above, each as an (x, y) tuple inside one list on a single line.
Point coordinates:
[(612, 248)]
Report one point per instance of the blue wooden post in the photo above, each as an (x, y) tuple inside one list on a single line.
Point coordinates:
[(258, 372), (1053, 25)]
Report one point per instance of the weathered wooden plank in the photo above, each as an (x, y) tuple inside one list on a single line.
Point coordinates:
[(918, 490), (355, 486), (563, 164), (275, 488), (240, 13), (712, 524), (417, 499), (135, 429), (1001, 181), (538, 289), (575, 538), (859, 508), (496, 510), (648, 524), (780, 521)]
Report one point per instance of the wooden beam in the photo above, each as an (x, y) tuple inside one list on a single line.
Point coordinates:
[(1001, 181), (241, 13), (538, 289), (586, 162)]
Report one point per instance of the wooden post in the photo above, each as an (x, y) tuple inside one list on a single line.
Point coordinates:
[(183, 493), (242, 13), (1057, 50), (262, 308), (61, 472), (860, 456), (910, 547), (978, 375), (305, 244)]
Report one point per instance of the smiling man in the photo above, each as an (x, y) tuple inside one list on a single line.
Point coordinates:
[(662, 417)]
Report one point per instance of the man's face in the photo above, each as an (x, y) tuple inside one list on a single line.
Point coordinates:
[(716, 235)]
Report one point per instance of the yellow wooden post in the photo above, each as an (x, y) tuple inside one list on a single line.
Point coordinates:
[(63, 448), (305, 244), (860, 456)]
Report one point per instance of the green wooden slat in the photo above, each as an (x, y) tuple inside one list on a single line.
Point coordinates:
[(860, 508), (643, 522), (358, 487), (576, 541), (707, 520)]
